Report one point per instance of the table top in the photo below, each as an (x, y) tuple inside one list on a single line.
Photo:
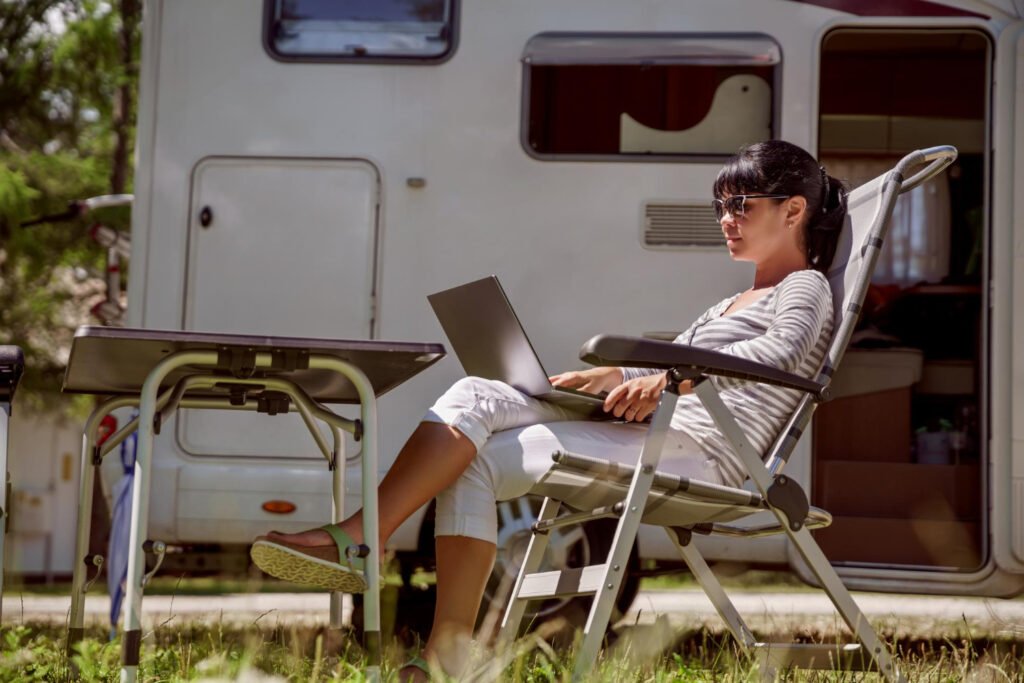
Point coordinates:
[(117, 360)]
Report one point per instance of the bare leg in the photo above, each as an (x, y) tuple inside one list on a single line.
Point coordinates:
[(433, 457), (463, 565)]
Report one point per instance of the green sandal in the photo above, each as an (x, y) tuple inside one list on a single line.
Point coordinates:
[(330, 567)]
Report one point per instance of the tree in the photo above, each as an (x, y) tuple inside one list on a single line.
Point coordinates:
[(68, 78)]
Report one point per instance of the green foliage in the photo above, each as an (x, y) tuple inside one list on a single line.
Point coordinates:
[(15, 193), (28, 656), (68, 77)]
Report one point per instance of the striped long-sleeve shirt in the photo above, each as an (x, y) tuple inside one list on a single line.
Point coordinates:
[(789, 328)]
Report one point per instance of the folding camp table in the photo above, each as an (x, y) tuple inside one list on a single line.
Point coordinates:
[(161, 371)]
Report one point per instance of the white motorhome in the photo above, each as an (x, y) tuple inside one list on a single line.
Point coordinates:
[(313, 168)]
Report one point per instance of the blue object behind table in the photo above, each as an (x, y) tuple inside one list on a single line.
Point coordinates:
[(120, 529)]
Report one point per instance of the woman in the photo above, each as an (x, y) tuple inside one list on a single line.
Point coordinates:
[(485, 441)]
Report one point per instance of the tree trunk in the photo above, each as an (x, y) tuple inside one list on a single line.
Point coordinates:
[(123, 111)]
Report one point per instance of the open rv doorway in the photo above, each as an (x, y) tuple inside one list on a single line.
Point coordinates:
[(899, 455)]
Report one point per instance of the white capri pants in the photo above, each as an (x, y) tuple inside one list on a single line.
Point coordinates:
[(516, 434)]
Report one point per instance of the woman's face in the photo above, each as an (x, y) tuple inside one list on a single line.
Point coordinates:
[(765, 230)]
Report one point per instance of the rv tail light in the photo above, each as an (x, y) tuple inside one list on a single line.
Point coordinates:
[(108, 425), (279, 507)]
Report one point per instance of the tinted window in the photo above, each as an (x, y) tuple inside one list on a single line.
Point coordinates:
[(368, 30)]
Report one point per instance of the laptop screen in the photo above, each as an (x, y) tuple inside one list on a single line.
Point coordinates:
[(487, 337)]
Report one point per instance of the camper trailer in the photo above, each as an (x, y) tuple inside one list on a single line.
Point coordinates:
[(309, 168)]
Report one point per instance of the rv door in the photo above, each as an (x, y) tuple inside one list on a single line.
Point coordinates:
[(277, 246), (930, 499), (1007, 372)]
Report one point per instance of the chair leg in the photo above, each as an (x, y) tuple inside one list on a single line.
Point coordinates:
[(844, 602), (713, 589), (531, 563), (608, 590), (625, 535), (802, 539)]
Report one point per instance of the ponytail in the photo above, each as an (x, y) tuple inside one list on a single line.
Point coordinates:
[(824, 224)]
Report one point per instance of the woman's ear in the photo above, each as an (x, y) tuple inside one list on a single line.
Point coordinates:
[(796, 207)]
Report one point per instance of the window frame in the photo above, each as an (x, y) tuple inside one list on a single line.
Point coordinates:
[(524, 111), (326, 58)]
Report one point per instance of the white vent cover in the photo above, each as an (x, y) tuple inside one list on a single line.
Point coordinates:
[(668, 225)]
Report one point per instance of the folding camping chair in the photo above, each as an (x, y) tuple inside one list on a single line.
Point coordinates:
[(598, 489), (12, 365)]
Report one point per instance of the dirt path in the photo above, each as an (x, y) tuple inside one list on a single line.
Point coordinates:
[(772, 611)]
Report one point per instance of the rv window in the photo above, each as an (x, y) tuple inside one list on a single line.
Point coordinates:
[(647, 96), (360, 30)]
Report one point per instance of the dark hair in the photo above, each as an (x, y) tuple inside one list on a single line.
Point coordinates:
[(779, 167)]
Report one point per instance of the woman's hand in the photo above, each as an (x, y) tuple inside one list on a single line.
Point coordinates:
[(594, 380), (636, 399)]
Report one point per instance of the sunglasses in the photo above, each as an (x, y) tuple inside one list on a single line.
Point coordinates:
[(735, 204)]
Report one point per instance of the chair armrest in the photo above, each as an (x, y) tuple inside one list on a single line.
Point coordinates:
[(12, 365), (691, 361)]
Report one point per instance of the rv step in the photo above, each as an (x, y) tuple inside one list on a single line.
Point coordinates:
[(562, 584), (772, 657)]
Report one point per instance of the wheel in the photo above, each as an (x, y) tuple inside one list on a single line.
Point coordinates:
[(570, 546)]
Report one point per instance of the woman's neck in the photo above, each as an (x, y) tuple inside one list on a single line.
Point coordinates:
[(765, 277)]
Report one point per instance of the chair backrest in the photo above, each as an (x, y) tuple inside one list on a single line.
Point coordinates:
[(869, 208)]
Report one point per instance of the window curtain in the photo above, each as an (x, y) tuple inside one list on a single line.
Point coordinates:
[(917, 247)]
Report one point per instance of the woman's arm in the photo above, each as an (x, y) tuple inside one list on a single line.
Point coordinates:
[(594, 380)]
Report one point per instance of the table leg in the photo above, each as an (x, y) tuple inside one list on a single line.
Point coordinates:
[(131, 643), (85, 488), (337, 514), (76, 624), (371, 526)]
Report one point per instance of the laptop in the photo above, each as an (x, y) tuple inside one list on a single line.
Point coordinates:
[(490, 342)]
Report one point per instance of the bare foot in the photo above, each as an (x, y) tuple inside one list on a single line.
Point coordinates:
[(310, 538)]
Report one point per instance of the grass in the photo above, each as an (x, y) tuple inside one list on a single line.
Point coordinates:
[(266, 650), (278, 653)]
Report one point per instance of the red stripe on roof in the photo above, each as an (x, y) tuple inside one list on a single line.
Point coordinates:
[(893, 8)]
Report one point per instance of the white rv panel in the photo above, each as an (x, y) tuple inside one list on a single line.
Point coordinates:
[(206, 516), (1016, 519), (1007, 376)]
